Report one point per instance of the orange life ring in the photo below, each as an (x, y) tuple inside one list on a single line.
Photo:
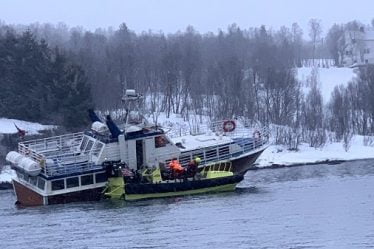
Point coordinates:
[(229, 126)]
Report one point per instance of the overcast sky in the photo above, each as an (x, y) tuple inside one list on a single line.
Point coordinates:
[(172, 15)]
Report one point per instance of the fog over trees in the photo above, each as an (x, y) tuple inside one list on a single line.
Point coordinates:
[(53, 73)]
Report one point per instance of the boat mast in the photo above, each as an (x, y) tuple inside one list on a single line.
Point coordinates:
[(131, 101)]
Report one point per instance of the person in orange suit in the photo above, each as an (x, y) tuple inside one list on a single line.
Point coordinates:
[(176, 167)]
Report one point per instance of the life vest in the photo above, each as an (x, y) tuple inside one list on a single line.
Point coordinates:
[(175, 165)]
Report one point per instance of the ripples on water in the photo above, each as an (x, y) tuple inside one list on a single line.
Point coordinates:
[(317, 206)]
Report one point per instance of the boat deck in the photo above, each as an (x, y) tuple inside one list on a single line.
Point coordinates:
[(61, 155)]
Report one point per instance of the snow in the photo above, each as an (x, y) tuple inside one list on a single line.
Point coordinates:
[(7, 174), (201, 141), (7, 126), (277, 154), (328, 77)]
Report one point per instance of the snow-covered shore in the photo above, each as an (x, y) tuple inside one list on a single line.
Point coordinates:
[(7, 126), (6, 175), (279, 155)]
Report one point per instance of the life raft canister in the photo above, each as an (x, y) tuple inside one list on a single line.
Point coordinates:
[(229, 126)]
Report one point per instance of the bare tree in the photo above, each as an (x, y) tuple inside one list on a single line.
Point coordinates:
[(315, 31), (335, 42), (297, 41)]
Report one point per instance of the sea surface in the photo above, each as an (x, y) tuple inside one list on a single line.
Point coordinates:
[(316, 206)]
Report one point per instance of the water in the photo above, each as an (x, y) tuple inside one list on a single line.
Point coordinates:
[(318, 206)]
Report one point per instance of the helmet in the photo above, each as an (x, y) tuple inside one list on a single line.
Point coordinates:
[(197, 159)]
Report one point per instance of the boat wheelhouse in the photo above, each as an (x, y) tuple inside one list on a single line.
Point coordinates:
[(73, 167)]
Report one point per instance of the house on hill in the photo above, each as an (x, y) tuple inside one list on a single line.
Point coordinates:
[(359, 49)]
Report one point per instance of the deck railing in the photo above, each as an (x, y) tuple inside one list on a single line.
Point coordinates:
[(217, 127), (61, 154), (248, 137), (41, 149)]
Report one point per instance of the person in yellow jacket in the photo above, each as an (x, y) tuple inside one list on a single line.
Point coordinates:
[(193, 166)]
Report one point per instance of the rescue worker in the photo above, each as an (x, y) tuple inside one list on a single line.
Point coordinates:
[(193, 166), (176, 168)]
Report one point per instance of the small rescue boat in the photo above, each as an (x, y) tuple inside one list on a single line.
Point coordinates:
[(154, 183)]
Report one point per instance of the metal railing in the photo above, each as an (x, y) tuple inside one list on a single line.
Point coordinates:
[(219, 166), (64, 154), (220, 152), (41, 149), (217, 127), (248, 138), (61, 167)]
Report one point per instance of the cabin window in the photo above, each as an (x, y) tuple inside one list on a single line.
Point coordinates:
[(98, 147), (100, 177), (224, 151), (84, 143), (161, 141), (58, 184), (72, 182), (26, 177), (33, 180), (89, 145), (86, 180), (185, 159), (41, 183), (211, 154)]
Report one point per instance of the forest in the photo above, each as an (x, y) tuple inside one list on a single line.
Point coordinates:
[(54, 73)]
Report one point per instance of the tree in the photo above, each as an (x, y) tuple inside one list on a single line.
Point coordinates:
[(335, 43), (297, 42), (315, 31), (40, 84)]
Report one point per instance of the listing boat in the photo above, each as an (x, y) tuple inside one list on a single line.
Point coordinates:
[(74, 167)]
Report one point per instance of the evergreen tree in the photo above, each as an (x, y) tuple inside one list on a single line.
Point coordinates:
[(38, 84)]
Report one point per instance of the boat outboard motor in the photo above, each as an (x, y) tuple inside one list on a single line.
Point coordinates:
[(93, 116), (113, 128)]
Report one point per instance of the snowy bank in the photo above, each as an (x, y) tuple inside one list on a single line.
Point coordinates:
[(329, 78), (7, 174), (7, 126), (277, 154)]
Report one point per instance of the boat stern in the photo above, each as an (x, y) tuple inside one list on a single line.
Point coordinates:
[(115, 188)]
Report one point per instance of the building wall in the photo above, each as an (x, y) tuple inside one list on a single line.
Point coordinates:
[(359, 48), (369, 52)]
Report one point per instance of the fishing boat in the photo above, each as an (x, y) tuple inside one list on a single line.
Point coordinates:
[(74, 167)]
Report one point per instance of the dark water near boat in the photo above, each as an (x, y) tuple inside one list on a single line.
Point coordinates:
[(317, 206)]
